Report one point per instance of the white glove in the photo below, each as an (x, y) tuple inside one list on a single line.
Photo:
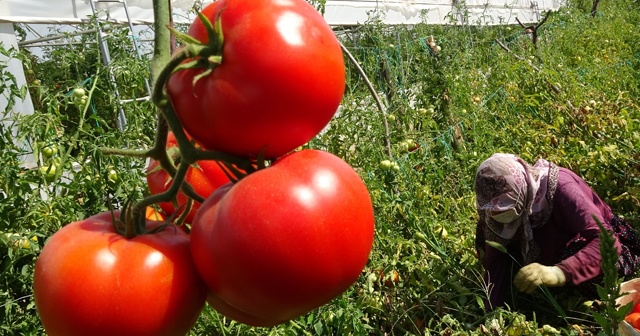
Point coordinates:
[(534, 275)]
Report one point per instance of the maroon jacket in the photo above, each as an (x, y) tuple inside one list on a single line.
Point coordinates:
[(571, 219)]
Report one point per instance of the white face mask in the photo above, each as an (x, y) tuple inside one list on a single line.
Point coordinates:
[(506, 217)]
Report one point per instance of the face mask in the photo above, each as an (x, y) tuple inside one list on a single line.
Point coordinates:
[(506, 217)]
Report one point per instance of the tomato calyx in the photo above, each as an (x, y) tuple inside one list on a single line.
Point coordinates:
[(206, 56), (130, 225), (192, 55)]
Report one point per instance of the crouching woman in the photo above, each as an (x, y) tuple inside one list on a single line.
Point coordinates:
[(543, 215)]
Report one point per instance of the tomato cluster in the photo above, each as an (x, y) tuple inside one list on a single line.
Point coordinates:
[(263, 249)]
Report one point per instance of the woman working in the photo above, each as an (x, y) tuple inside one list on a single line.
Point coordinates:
[(543, 215)]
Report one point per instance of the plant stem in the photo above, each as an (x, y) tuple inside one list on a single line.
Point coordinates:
[(158, 95), (74, 140), (381, 107), (125, 152), (166, 196), (163, 65), (161, 55), (162, 37)]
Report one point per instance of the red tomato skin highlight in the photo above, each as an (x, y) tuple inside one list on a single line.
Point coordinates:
[(89, 280), (287, 239), (280, 82)]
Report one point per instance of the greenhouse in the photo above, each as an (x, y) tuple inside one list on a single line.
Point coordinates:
[(303, 167)]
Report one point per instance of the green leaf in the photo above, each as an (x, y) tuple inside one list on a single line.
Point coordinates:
[(626, 309), (184, 38), (318, 327), (600, 319), (602, 292), (190, 65), (496, 246), (216, 38)]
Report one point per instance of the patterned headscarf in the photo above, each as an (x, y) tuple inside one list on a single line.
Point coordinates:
[(512, 198)]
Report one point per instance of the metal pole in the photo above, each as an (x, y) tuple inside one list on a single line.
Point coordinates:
[(121, 121), (135, 42)]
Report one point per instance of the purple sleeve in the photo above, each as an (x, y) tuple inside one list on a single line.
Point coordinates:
[(497, 276), (576, 204)]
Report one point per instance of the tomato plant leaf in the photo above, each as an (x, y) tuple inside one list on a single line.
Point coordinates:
[(497, 246), (184, 38)]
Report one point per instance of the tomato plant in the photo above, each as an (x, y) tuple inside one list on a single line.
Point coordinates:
[(281, 79), (284, 240), (90, 280), (205, 177)]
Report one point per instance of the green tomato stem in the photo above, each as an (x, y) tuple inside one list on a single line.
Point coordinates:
[(138, 209), (162, 37), (125, 152), (381, 107)]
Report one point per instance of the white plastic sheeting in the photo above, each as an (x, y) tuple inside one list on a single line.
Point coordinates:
[(485, 12), (79, 11), (337, 12)]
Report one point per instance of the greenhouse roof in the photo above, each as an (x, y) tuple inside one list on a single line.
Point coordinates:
[(337, 12)]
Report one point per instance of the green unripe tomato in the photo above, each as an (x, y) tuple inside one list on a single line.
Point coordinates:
[(385, 164), (410, 143), (55, 161), (49, 151), (404, 146), (113, 177), (79, 92), (49, 172), (80, 101)]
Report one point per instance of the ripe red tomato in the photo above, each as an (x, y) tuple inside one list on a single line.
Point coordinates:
[(633, 319), (284, 240), (233, 313), (636, 308), (153, 214), (90, 280), (281, 79), (205, 177)]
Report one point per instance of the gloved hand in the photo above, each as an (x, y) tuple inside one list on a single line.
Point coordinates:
[(534, 275)]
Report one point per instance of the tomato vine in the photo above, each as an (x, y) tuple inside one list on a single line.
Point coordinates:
[(204, 55)]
